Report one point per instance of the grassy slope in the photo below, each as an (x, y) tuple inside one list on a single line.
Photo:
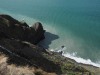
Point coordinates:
[(49, 63), (11, 69)]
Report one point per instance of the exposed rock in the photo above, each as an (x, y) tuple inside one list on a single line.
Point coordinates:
[(39, 31), (20, 30)]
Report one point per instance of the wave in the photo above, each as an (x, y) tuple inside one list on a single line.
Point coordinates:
[(78, 59), (81, 60)]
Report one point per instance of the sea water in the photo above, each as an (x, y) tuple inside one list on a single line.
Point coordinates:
[(74, 24)]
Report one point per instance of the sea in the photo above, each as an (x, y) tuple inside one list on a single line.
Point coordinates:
[(73, 24)]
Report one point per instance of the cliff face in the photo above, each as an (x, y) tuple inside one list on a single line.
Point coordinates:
[(14, 29), (17, 43)]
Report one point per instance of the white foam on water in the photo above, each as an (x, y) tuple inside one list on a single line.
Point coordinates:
[(81, 60), (78, 59)]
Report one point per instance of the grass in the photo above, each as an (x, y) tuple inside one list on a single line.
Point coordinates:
[(6, 69)]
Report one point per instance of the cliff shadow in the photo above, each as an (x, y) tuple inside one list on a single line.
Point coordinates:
[(49, 37)]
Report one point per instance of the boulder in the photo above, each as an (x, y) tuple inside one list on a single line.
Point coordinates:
[(39, 31)]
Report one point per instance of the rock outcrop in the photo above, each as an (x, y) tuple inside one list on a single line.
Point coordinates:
[(39, 31), (14, 29)]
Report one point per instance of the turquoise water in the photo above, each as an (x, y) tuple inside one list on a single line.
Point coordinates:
[(72, 23)]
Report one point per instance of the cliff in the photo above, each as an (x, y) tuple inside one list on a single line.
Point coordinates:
[(20, 54)]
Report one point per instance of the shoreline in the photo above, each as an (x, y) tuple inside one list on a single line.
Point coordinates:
[(92, 68), (21, 40), (88, 61), (19, 15), (77, 61)]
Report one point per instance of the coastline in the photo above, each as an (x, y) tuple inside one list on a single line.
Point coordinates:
[(85, 64), (82, 61), (31, 20), (15, 44)]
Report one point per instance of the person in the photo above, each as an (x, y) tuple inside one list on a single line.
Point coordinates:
[(61, 52)]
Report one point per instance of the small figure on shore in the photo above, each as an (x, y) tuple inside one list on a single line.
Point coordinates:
[(61, 52)]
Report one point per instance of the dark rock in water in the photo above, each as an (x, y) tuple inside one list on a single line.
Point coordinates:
[(20, 30)]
